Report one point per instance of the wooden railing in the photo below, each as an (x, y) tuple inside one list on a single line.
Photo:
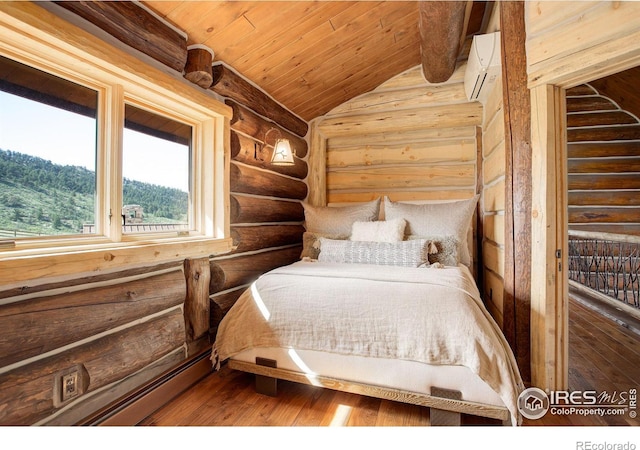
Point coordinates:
[(607, 263)]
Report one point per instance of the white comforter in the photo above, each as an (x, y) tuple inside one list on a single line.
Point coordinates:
[(434, 316)]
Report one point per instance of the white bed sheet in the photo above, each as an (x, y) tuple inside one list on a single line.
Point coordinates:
[(379, 325)]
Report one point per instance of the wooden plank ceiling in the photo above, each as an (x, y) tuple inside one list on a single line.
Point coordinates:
[(308, 55)]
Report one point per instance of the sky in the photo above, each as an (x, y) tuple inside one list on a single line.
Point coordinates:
[(67, 138)]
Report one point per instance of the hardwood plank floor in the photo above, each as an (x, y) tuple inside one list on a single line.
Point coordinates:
[(604, 356)]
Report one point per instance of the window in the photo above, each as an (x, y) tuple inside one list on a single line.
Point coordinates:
[(156, 155), (47, 153), (99, 150)]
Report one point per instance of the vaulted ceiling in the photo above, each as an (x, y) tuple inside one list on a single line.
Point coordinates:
[(310, 55)]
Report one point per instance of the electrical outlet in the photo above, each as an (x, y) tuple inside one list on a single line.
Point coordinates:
[(69, 386)]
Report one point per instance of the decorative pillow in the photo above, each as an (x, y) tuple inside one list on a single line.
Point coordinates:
[(413, 253), (447, 250), (378, 231), (337, 220), (311, 243), (437, 219)]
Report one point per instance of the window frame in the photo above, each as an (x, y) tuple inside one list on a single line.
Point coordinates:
[(39, 39)]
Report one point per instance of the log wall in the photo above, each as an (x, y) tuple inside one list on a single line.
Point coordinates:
[(493, 202), (407, 139), (266, 211), (581, 40), (603, 163), (568, 44), (112, 317), (117, 331)]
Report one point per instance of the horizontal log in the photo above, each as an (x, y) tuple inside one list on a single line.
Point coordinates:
[(31, 289), (399, 195), (446, 116), (584, 214), (595, 103), (27, 393), (603, 165), (494, 197), (603, 181), (88, 407), (493, 166), (600, 119), (602, 149), (229, 273), (248, 180), (630, 229), (198, 67), (256, 210), (427, 152), (220, 306), (261, 237), (583, 89), (137, 27), (247, 122), (604, 198), (228, 83), (403, 177), (39, 325), (618, 133), (253, 153), (424, 96), (401, 137), (622, 88)]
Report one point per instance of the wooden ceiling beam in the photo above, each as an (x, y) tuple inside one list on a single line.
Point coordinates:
[(442, 29), (137, 27)]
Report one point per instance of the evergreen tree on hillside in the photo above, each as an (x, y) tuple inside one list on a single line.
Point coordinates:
[(61, 198)]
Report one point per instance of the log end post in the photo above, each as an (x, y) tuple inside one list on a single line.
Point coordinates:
[(198, 66)]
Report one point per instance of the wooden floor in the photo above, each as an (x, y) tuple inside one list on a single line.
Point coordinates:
[(604, 356)]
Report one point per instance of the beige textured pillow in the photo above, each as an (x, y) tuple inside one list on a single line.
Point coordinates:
[(436, 220), (447, 249), (338, 220), (414, 253), (379, 231), (311, 243)]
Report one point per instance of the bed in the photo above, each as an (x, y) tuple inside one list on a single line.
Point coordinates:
[(377, 308)]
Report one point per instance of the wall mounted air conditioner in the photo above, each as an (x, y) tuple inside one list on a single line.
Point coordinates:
[(483, 66)]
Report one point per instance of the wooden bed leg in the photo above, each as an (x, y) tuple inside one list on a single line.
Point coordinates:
[(266, 385), (440, 417)]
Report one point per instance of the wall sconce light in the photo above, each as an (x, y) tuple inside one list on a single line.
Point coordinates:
[(282, 151)]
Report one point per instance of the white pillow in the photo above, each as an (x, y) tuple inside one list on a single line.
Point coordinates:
[(337, 220), (414, 253), (436, 219), (379, 231)]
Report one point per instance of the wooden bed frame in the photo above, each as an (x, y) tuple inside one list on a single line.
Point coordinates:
[(445, 405)]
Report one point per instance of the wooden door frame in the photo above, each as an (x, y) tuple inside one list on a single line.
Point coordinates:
[(549, 225), (549, 283)]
